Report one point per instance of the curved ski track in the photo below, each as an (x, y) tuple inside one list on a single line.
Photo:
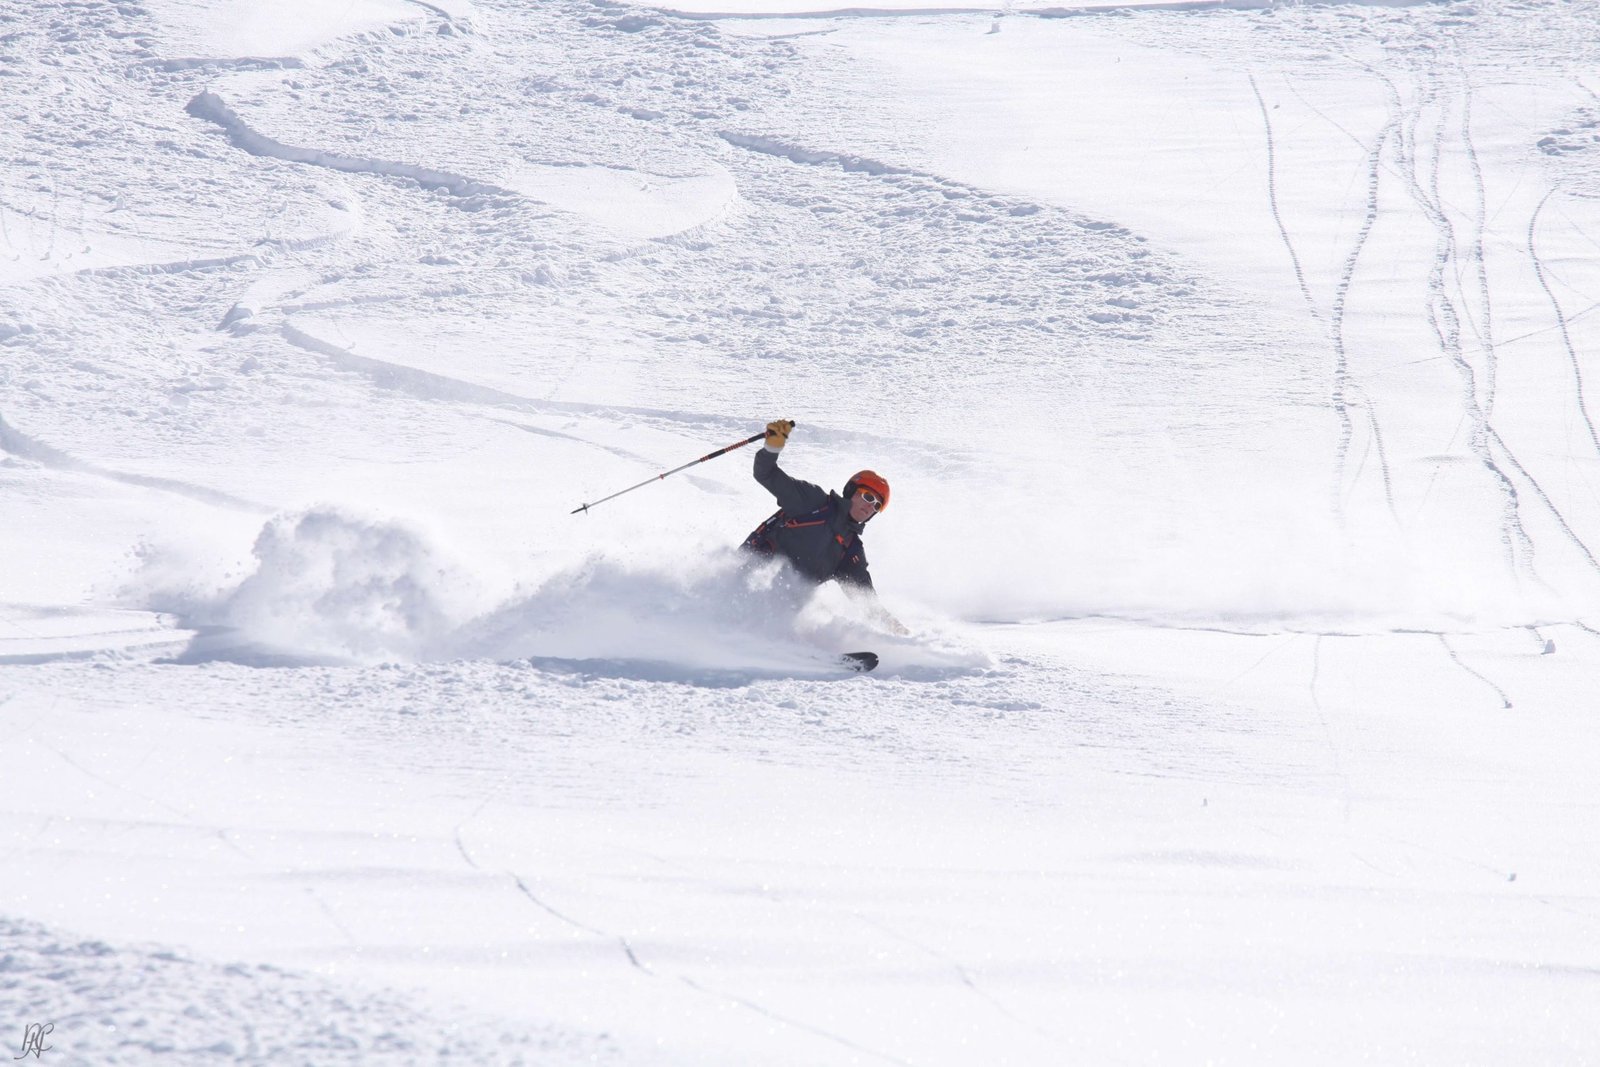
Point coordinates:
[(631, 954), (1346, 393), (1505, 701), (1561, 321), (429, 386), (212, 108), (1440, 309), (25, 447)]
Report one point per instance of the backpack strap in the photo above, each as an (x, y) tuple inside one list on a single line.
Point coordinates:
[(761, 539)]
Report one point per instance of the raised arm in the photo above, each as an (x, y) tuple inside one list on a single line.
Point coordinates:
[(793, 495)]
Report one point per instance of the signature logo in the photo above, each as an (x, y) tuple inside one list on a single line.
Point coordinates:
[(33, 1040)]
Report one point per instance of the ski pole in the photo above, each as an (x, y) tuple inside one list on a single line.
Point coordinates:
[(719, 452)]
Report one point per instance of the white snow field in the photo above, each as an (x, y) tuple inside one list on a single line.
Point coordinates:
[(1236, 369)]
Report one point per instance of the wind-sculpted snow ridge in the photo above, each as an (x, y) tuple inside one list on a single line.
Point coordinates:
[(773, 147), (211, 107), (120, 1004)]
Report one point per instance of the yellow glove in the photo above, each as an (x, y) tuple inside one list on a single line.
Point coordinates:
[(778, 433)]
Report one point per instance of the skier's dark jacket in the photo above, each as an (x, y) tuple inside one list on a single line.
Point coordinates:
[(812, 528)]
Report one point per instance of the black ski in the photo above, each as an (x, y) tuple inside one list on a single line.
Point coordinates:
[(859, 661)]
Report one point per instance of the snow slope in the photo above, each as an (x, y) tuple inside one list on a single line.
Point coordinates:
[(1232, 368)]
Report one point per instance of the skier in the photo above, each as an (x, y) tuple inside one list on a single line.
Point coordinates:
[(818, 530)]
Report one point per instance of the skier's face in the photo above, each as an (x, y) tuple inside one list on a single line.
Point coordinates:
[(864, 505)]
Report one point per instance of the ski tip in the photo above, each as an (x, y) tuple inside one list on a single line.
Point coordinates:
[(859, 661)]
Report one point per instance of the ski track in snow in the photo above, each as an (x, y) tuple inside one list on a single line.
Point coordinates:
[(1346, 392), (278, 279), (742, 326), (1561, 322), (1478, 383), (1455, 657), (24, 447), (1344, 388), (1483, 325), (1519, 543), (1442, 314), (634, 961), (213, 108)]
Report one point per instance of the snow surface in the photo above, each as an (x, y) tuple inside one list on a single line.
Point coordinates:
[(1232, 366)]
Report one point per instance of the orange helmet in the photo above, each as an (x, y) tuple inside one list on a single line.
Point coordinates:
[(868, 480)]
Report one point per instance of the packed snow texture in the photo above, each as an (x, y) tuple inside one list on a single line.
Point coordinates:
[(1232, 365), (113, 1004)]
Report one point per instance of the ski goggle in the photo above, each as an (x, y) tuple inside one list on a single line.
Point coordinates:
[(871, 498)]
